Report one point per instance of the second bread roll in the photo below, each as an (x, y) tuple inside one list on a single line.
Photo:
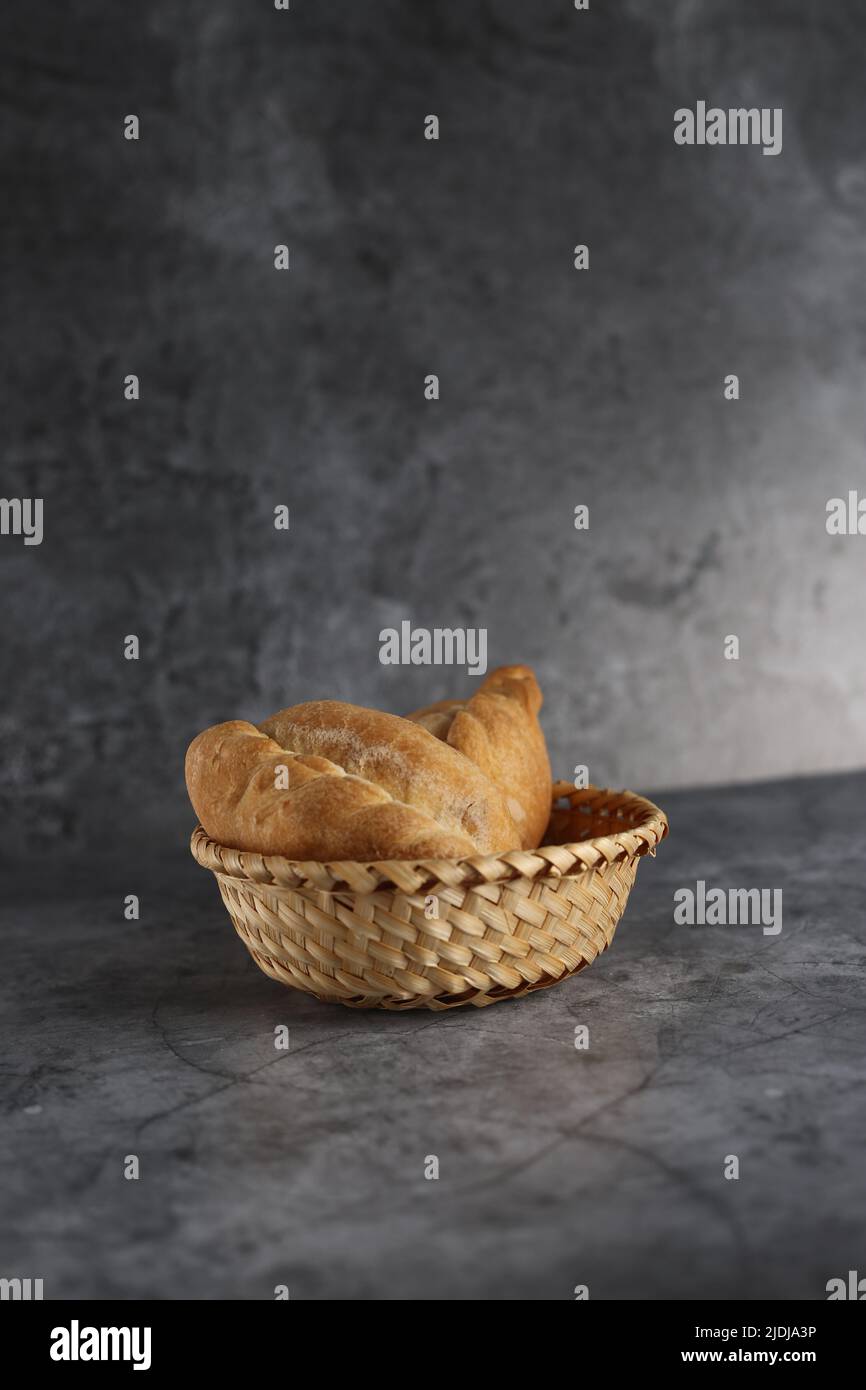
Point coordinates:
[(498, 730)]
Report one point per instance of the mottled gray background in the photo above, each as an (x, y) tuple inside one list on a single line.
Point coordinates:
[(409, 257)]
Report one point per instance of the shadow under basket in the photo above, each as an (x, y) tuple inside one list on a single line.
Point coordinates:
[(439, 933)]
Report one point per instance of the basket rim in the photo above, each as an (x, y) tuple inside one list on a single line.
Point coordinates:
[(647, 826)]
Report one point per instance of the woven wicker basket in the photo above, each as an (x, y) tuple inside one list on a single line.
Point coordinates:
[(366, 935)]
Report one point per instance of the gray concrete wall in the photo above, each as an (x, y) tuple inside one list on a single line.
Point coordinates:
[(558, 387)]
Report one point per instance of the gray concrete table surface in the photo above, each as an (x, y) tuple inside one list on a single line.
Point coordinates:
[(558, 1167)]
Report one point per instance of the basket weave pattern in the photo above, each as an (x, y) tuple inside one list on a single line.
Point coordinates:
[(361, 934)]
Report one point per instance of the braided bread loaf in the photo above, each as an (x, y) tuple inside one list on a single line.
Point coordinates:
[(326, 781), (498, 730)]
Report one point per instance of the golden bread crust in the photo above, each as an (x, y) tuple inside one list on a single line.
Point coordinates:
[(498, 730), (327, 780)]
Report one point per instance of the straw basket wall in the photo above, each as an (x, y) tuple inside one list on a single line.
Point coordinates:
[(437, 934)]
